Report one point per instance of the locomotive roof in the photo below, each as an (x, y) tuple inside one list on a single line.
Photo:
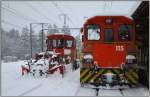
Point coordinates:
[(123, 19), (58, 36)]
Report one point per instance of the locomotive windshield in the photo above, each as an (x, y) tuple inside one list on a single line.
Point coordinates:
[(93, 32), (60, 43), (125, 32), (54, 43), (108, 35), (50, 44), (69, 43)]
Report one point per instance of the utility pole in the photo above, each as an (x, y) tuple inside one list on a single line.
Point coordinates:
[(65, 20), (65, 16), (31, 40), (42, 30), (42, 36)]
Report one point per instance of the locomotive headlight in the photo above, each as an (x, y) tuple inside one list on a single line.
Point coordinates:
[(130, 59), (88, 56)]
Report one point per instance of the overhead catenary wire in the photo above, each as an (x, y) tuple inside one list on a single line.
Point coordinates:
[(40, 13), (18, 14), (61, 11)]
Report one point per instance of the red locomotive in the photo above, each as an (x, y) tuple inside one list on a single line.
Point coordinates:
[(60, 54), (109, 51), (64, 45)]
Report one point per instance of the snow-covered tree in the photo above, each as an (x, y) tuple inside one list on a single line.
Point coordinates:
[(25, 42), (10, 43)]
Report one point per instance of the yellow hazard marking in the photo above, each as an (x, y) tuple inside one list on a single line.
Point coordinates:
[(135, 75), (109, 71), (84, 72), (131, 78), (97, 75), (116, 71), (86, 78)]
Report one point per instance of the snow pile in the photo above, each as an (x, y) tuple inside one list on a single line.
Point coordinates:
[(68, 67)]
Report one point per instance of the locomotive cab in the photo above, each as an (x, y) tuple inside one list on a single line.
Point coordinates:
[(109, 44), (63, 44)]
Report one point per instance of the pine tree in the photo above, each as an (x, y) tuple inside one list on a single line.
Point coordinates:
[(25, 42)]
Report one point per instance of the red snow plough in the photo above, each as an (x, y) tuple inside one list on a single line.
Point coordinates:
[(61, 54), (44, 63)]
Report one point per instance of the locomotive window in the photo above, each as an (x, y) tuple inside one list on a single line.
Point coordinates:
[(109, 35), (125, 32), (50, 43), (93, 32), (60, 43), (54, 43), (69, 43)]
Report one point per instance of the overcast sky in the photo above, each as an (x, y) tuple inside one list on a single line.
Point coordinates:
[(19, 14)]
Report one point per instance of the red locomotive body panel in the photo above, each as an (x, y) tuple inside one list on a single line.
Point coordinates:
[(108, 54)]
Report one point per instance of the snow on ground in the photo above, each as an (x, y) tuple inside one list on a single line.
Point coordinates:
[(141, 91), (14, 84), (103, 92), (55, 85), (86, 92)]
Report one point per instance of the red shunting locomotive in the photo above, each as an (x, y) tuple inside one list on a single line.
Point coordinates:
[(109, 51), (64, 45)]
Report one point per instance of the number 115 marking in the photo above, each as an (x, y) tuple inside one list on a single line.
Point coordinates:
[(120, 48)]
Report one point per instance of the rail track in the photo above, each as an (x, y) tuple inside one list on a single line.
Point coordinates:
[(139, 91)]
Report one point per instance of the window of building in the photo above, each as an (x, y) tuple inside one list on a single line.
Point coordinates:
[(93, 32)]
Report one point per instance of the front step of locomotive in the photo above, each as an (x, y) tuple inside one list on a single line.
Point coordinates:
[(108, 77)]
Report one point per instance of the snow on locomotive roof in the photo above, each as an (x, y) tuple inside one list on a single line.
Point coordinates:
[(59, 33)]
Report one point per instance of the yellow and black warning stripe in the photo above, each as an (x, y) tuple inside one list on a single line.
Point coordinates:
[(132, 77), (90, 75)]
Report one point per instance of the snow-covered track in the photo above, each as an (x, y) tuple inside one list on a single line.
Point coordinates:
[(138, 91), (82, 91), (104, 92), (30, 90)]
